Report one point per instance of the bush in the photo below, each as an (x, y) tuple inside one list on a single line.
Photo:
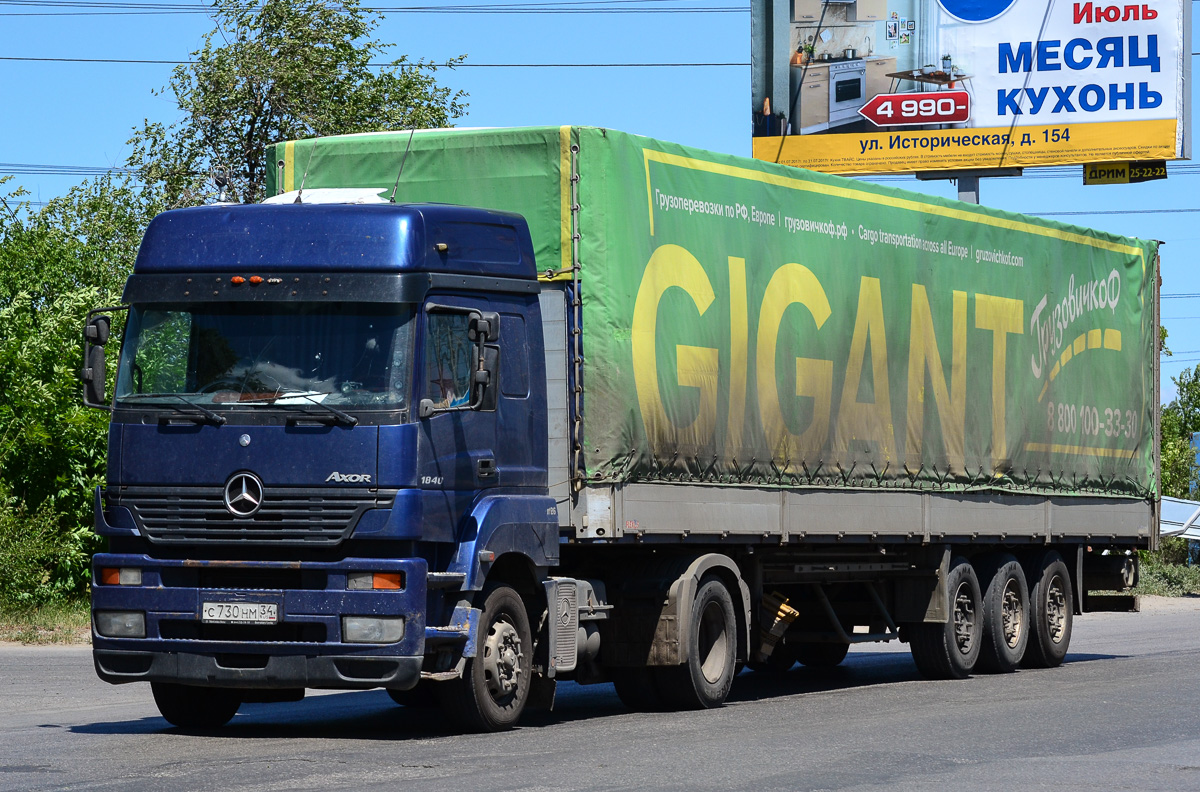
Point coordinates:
[(39, 562), (52, 448), (1167, 580)]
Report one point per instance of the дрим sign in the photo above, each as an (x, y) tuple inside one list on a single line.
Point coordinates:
[(1124, 172)]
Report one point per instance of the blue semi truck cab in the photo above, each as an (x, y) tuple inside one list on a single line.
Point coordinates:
[(327, 457)]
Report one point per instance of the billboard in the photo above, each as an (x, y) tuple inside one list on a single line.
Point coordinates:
[(900, 86)]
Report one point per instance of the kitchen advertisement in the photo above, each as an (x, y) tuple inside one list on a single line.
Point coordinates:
[(964, 84)]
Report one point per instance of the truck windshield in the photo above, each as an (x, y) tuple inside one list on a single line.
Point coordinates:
[(353, 355)]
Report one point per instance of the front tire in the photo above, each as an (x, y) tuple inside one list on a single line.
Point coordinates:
[(492, 692), (950, 650), (1052, 606), (703, 681), (190, 707)]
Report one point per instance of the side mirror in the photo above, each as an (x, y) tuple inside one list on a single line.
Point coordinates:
[(98, 330), (94, 372)]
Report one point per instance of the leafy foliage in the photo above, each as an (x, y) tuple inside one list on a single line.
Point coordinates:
[(40, 562), (281, 70), (1180, 419)]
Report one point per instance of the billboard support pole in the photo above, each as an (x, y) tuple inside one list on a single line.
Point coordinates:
[(968, 180)]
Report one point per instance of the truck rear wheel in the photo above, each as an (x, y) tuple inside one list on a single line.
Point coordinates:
[(190, 707), (1005, 616), (1052, 607), (491, 694), (950, 650), (703, 681), (821, 655)]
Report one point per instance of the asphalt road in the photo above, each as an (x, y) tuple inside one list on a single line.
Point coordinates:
[(1122, 713)]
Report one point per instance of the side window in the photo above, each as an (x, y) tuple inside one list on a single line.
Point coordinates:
[(514, 381), (447, 360)]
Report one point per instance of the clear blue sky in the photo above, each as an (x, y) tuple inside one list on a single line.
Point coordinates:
[(81, 113)]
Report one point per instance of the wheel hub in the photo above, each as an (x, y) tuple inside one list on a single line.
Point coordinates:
[(1056, 609), (1012, 614), (502, 655), (964, 619)]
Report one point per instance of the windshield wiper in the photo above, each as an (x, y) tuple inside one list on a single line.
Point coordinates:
[(193, 411), (334, 411), (216, 418)]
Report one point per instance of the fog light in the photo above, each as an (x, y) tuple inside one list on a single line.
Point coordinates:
[(367, 581), (121, 624), (369, 629)]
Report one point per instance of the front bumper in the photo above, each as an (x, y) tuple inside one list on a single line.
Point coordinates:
[(304, 648), (276, 671)]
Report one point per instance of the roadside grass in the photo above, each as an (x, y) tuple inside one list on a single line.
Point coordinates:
[(1167, 580), (66, 622)]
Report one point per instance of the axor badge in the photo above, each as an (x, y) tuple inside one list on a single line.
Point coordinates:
[(975, 10)]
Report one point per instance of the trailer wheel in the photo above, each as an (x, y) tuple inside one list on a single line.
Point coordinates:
[(703, 681), (821, 655), (1005, 616), (190, 707), (491, 694), (950, 650), (1052, 607)]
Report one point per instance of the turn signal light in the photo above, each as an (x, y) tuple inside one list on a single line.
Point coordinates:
[(123, 576), (366, 581), (255, 280), (237, 280)]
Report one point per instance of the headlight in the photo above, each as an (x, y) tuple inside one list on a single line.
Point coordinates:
[(370, 629), (121, 624)]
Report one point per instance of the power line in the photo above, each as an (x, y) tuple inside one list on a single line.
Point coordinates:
[(23, 168), (441, 65), (560, 7), (1114, 212)]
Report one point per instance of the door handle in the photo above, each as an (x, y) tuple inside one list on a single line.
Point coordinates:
[(485, 467)]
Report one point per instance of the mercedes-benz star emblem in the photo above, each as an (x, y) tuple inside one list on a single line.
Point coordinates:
[(243, 494)]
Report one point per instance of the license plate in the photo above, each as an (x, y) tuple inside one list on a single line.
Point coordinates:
[(240, 612)]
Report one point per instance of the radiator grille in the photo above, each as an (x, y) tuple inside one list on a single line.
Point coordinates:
[(289, 515)]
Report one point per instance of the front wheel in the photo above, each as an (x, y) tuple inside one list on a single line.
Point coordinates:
[(492, 692), (190, 707)]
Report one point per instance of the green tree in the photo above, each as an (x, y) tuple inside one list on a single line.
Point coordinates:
[(281, 70), (1180, 419)]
